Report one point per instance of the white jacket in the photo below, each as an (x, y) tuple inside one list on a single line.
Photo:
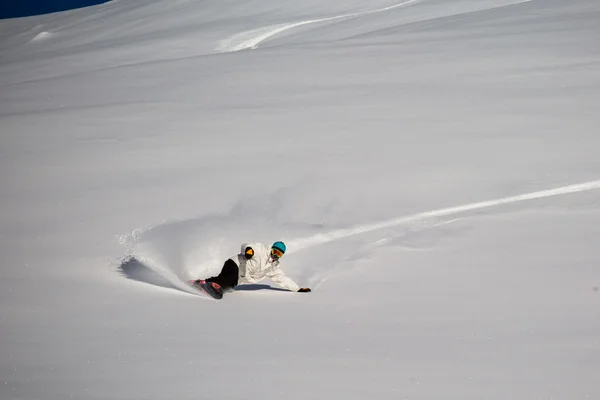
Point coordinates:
[(262, 266)]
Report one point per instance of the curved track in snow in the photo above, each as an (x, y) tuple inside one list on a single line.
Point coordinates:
[(322, 238), (251, 39), (155, 260)]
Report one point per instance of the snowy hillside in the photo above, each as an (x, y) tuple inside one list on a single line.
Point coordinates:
[(432, 165)]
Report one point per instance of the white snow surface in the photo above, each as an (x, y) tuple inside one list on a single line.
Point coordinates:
[(433, 166)]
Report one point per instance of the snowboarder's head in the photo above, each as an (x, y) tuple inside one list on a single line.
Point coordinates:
[(277, 250)]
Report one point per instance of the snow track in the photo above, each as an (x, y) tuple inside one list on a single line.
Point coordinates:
[(321, 238), (251, 39), (163, 255)]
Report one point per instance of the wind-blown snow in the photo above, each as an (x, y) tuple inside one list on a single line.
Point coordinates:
[(432, 165)]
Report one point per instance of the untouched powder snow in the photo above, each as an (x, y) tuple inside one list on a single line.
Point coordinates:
[(432, 165)]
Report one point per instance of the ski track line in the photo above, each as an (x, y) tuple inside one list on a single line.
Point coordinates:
[(322, 238), (251, 39)]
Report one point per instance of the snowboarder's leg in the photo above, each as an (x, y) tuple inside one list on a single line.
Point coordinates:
[(228, 278)]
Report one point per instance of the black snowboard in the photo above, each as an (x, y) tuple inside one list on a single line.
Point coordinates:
[(208, 288)]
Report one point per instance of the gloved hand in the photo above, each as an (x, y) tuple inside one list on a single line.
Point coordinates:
[(303, 290)]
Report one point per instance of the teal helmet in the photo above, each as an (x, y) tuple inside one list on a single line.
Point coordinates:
[(279, 246)]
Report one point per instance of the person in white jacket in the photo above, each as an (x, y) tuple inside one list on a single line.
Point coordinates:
[(254, 263)]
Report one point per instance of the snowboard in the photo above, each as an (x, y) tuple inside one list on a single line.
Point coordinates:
[(207, 287)]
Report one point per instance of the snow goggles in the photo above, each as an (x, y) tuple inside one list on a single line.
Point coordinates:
[(276, 253)]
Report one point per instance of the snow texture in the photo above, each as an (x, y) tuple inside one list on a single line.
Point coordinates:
[(432, 165)]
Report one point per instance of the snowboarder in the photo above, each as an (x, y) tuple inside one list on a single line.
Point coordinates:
[(254, 263)]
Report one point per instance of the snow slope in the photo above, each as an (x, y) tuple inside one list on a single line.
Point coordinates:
[(433, 166)]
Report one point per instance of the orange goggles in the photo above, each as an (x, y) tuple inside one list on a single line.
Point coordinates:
[(276, 253)]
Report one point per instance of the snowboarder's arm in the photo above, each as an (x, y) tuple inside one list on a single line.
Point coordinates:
[(281, 279), (248, 250)]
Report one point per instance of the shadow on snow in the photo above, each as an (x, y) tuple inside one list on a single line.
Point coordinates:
[(134, 269)]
